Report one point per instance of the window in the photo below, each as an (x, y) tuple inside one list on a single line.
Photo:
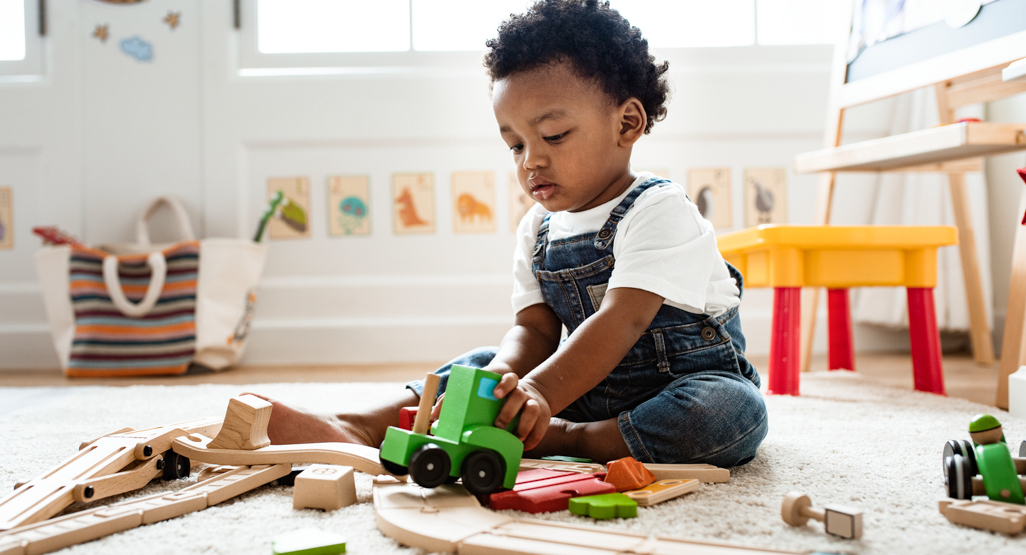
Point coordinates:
[(20, 44)]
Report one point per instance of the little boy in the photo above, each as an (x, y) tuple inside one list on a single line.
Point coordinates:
[(653, 364)]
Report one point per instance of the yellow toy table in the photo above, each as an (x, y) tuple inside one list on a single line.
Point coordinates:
[(789, 257)]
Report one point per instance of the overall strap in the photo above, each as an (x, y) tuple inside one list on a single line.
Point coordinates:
[(542, 240), (604, 237)]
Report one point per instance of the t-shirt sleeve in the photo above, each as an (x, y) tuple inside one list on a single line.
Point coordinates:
[(664, 246), (526, 291)]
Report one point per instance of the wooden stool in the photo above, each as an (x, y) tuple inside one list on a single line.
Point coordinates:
[(789, 257)]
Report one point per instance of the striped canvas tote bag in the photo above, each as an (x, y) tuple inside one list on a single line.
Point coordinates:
[(156, 310)]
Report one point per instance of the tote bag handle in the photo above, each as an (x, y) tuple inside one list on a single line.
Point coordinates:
[(158, 268), (142, 225)]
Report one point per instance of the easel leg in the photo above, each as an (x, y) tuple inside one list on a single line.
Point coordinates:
[(1012, 344), (979, 329)]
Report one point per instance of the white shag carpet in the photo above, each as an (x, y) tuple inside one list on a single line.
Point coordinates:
[(843, 441)]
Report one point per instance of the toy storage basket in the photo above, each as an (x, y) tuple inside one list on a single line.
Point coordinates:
[(142, 309)]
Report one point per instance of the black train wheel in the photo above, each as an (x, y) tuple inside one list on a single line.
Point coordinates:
[(960, 481), (961, 447), (430, 466), (176, 466), (482, 472), (392, 468)]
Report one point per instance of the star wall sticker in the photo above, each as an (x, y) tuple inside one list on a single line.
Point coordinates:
[(102, 32), (172, 19)]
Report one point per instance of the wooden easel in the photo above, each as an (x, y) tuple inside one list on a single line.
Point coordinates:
[(967, 76)]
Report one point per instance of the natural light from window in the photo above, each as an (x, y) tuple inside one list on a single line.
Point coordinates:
[(12, 30), (298, 26), (460, 24), (799, 21), (685, 23)]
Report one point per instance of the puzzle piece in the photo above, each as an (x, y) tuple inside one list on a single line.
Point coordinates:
[(309, 541), (543, 490), (661, 491), (601, 507), (628, 474)]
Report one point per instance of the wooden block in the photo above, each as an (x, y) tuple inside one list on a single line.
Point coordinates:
[(705, 473), (309, 541), (605, 506), (541, 494), (1006, 518), (407, 415), (662, 490), (245, 424), (842, 521), (580, 468), (324, 486), (627, 474)]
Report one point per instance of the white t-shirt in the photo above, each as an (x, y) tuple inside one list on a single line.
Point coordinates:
[(662, 245)]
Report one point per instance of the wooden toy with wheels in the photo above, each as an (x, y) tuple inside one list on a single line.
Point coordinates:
[(463, 444), (987, 456)]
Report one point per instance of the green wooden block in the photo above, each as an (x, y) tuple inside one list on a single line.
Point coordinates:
[(563, 458), (309, 541), (607, 505)]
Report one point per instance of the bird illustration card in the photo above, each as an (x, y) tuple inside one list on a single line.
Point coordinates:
[(6, 218), (519, 202), (709, 188), (473, 202), (765, 196), (349, 205), (291, 219), (413, 203)]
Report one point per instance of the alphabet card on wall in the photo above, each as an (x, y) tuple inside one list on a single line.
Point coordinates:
[(519, 202), (473, 197), (291, 221), (6, 218), (765, 196), (349, 205), (709, 188), (413, 203)]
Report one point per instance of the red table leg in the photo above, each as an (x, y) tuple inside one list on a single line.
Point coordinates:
[(928, 374), (841, 353), (785, 341)]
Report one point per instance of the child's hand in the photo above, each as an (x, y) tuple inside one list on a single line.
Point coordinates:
[(437, 409), (534, 410)]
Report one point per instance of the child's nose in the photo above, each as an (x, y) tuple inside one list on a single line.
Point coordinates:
[(533, 158)]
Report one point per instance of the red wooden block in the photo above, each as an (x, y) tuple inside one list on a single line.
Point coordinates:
[(542, 490), (627, 473), (406, 417)]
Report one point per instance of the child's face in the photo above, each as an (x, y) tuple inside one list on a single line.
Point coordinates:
[(569, 140)]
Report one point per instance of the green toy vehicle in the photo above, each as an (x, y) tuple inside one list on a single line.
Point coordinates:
[(463, 444), (987, 456)]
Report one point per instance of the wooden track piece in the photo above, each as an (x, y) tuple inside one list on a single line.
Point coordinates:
[(705, 473), (122, 482), (360, 457), (546, 491), (85, 444), (245, 424), (627, 474), (324, 486), (1006, 518), (75, 528), (662, 490), (49, 493)]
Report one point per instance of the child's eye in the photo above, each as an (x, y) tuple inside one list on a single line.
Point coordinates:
[(517, 148), (555, 138)]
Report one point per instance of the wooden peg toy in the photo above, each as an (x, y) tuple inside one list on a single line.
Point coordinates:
[(662, 490), (605, 506), (245, 424), (324, 486), (627, 474), (840, 521), (309, 541), (1006, 518), (706, 473)]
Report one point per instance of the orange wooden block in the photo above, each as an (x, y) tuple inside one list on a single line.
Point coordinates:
[(627, 474)]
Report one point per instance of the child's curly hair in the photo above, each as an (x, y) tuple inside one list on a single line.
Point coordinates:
[(595, 39)]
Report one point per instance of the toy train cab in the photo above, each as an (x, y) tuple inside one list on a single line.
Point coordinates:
[(463, 444)]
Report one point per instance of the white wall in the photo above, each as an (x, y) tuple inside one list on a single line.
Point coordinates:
[(89, 144)]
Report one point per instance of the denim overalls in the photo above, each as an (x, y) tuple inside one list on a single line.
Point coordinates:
[(684, 393)]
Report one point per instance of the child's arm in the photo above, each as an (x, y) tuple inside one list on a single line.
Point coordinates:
[(533, 338), (587, 357)]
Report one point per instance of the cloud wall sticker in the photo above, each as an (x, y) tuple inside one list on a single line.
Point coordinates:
[(137, 48)]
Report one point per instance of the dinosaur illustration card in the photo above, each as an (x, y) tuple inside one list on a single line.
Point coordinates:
[(473, 202), (349, 205), (291, 220), (413, 203), (6, 218), (519, 202), (765, 196), (709, 188)]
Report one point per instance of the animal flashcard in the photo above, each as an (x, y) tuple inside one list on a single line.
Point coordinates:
[(765, 196), (6, 218), (413, 203), (709, 188), (519, 202), (473, 198), (349, 205), (291, 221)]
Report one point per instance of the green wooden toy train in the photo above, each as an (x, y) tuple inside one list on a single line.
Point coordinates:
[(463, 444)]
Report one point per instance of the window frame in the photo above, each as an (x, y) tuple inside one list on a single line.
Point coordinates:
[(32, 66)]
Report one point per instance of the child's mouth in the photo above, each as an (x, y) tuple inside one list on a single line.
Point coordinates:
[(541, 189)]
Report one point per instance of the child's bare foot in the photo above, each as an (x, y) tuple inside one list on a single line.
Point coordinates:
[(289, 425)]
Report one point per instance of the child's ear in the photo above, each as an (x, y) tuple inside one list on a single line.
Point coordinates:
[(633, 120)]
